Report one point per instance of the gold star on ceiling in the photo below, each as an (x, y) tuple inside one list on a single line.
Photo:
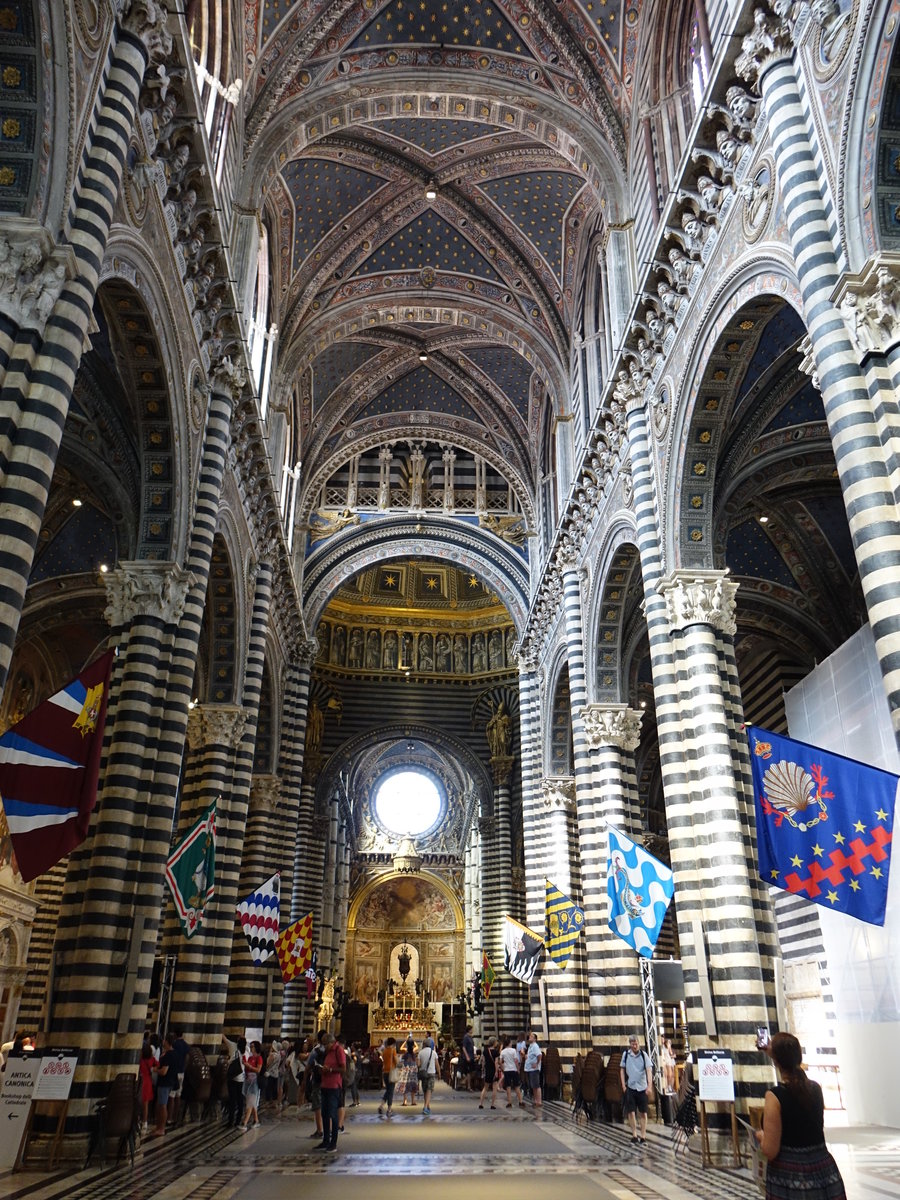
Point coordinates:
[(431, 582), (473, 581)]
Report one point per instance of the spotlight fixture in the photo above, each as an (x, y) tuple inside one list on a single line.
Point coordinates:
[(431, 192), (423, 356), (764, 520), (103, 568), (76, 503)]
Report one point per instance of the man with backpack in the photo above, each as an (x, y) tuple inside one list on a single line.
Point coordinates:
[(637, 1085)]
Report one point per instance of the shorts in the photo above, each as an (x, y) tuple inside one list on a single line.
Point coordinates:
[(510, 1079), (534, 1079), (635, 1101), (162, 1095), (314, 1096)]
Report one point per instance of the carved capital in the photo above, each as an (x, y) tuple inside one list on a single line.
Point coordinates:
[(223, 724), (700, 598), (147, 590), (265, 793), (517, 878), (320, 824), (612, 725), (869, 302), (558, 792), (526, 656), (487, 826), (195, 734), (770, 41), (32, 272), (229, 377), (147, 21), (305, 652), (501, 766)]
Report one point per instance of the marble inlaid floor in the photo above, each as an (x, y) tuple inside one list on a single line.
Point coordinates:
[(512, 1154)]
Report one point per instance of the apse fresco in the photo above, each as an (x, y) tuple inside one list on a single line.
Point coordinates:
[(406, 904)]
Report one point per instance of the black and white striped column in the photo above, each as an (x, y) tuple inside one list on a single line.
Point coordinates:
[(614, 982), (293, 734), (41, 363), (862, 464), (723, 901), (201, 977)]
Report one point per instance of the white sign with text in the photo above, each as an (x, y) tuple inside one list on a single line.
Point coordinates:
[(54, 1081), (715, 1075), (15, 1104)]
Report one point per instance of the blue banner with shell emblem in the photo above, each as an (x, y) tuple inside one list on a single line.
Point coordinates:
[(824, 824)]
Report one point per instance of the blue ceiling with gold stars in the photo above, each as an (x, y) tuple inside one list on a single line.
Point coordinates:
[(511, 374), (429, 241), (420, 390), (751, 552), (610, 18), (432, 135), (337, 363), (537, 202), (801, 409), (324, 194), (474, 23)]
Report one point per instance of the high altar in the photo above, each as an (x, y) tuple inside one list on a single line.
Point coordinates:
[(401, 1013)]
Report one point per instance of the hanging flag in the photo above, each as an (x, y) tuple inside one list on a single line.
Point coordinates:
[(565, 921), (824, 824), (258, 915), (294, 948), (49, 766), (191, 872), (639, 888), (311, 975), (488, 975), (521, 949)]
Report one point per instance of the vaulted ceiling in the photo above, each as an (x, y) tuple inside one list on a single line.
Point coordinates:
[(432, 172)]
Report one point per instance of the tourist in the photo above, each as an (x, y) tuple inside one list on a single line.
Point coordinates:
[(389, 1075), (509, 1062), (426, 1068), (147, 1069), (491, 1074), (637, 1086), (253, 1064), (313, 1082), (793, 1134), (167, 1078), (332, 1089), (534, 1058), (408, 1082)]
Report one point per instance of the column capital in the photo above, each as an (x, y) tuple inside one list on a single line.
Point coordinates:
[(487, 826), (265, 793), (558, 791), (222, 723), (770, 41), (229, 377), (527, 657), (304, 652), (567, 554), (146, 589), (869, 302), (700, 598), (146, 20), (612, 725), (501, 766)]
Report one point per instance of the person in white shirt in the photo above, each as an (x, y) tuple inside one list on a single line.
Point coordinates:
[(509, 1063), (637, 1084), (426, 1068)]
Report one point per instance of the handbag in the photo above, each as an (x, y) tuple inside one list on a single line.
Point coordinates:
[(393, 1074)]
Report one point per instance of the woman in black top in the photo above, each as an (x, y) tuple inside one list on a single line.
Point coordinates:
[(491, 1078), (793, 1133)]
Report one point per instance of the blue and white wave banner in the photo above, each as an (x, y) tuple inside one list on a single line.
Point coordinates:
[(639, 888)]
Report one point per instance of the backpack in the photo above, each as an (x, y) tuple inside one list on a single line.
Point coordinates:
[(234, 1069)]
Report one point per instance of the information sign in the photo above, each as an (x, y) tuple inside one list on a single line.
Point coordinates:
[(54, 1080), (715, 1075), (15, 1104)]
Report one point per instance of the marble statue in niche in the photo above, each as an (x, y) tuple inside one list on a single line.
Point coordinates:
[(510, 646), (442, 652), (323, 634), (460, 654), (339, 646), (495, 650), (390, 651), (373, 650), (357, 641), (479, 655), (406, 648), (426, 652)]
